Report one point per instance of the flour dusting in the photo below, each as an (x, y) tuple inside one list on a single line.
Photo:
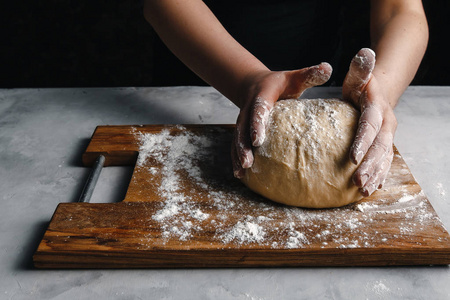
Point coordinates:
[(440, 188), (198, 196)]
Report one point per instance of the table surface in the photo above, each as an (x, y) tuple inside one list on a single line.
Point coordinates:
[(45, 131)]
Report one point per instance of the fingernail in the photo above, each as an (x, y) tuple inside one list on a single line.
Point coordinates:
[(382, 183), (367, 191), (371, 51), (364, 192), (358, 157)]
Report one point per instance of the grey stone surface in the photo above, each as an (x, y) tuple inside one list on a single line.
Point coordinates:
[(43, 133)]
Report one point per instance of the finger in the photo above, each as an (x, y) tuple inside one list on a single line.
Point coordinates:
[(242, 140), (384, 170), (317, 75), (259, 119), (238, 171), (303, 79), (369, 125), (381, 165), (377, 180), (358, 75), (379, 150)]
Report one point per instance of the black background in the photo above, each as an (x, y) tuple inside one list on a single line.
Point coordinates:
[(76, 43)]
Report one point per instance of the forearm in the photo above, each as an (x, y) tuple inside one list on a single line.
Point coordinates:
[(399, 35), (196, 37)]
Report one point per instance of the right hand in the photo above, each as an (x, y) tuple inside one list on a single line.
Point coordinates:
[(372, 148), (257, 98)]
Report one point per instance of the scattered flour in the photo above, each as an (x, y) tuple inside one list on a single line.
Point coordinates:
[(380, 288), (440, 188), (406, 198), (245, 232), (199, 195)]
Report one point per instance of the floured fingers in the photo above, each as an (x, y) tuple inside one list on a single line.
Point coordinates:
[(376, 164), (370, 123), (318, 75), (238, 171), (259, 119), (306, 78), (242, 152), (358, 75), (379, 176)]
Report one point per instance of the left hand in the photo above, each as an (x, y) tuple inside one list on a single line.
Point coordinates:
[(373, 144), (257, 98)]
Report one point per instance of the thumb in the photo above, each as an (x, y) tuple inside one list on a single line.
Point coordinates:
[(293, 85), (359, 74), (303, 79), (259, 120)]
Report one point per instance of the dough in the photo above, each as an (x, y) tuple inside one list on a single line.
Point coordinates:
[(304, 159)]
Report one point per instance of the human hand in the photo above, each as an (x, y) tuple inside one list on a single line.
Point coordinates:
[(373, 144), (257, 98)]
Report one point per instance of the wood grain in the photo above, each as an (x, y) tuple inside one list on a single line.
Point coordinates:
[(395, 226)]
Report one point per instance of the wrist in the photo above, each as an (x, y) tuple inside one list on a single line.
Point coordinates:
[(387, 85), (248, 86)]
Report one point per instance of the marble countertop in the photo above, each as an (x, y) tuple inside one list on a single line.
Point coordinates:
[(43, 133)]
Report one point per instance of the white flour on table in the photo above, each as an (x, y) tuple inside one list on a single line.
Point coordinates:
[(199, 194)]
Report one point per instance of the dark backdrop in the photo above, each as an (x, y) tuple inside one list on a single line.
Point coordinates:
[(74, 43)]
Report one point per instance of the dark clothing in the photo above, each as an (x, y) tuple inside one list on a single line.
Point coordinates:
[(283, 34)]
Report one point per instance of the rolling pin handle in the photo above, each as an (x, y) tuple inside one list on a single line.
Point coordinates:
[(92, 179)]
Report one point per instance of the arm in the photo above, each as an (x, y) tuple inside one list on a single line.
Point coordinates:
[(399, 36), (196, 37)]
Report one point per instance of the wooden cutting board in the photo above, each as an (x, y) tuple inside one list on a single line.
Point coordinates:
[(183, 208)]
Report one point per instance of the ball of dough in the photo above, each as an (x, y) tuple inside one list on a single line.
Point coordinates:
[(304, 160)]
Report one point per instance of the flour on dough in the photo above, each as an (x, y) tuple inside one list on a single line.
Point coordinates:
[(304, 159)]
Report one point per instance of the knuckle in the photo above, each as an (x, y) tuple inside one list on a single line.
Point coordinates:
[(377, 145), (366, 125)]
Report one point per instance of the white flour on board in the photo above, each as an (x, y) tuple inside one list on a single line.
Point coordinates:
[(199, 194)]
